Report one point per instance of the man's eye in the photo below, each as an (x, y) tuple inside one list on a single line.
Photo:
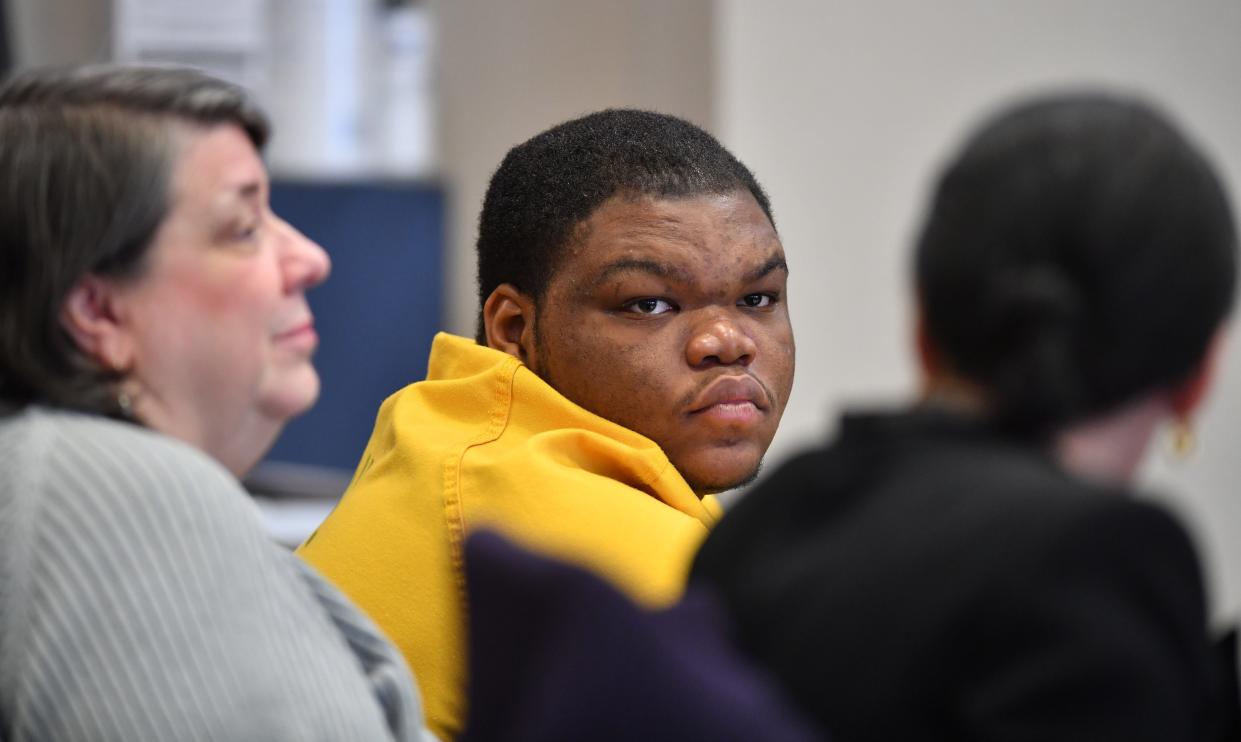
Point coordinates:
[(649, 306), (756, 301)]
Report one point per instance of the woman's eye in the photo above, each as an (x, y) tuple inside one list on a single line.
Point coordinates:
[(649, 306), (247, 231), (756, 301)]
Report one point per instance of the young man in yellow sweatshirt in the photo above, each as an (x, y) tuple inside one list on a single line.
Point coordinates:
[(634, 355)]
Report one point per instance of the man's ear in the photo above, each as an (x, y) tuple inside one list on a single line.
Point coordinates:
[(508, 322), (1188, 394), (89, 314)]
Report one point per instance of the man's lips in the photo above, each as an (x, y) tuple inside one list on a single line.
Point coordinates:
[(731, 399)]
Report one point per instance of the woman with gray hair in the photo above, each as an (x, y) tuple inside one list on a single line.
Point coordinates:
[(154, 339)]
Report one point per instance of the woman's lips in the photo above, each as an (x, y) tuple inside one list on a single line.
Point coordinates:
[(302, 337)]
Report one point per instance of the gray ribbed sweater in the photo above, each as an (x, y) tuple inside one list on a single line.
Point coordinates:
[(140, 599)]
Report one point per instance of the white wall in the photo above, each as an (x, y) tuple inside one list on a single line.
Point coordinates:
[(44, 32), (844, 107), (512, 69)]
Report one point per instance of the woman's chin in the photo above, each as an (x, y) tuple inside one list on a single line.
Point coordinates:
[(294, 395)]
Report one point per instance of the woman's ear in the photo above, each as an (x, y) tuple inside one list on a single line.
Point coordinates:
[(89, 314), (1187, 396), (508, 322), (929, 362)]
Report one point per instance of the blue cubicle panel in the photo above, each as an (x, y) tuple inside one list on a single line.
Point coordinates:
[(375, 315)]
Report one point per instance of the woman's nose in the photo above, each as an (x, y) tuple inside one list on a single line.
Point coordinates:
[(305, 263)]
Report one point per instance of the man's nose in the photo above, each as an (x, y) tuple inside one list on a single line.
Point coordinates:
[(720, 340)]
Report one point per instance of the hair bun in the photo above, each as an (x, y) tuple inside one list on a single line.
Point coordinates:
[(1033, 299)]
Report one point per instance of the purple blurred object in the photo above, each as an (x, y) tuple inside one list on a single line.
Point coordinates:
[(558, 654)]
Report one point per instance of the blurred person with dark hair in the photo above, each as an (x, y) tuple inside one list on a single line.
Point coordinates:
[(154, 340), (977, 568), (634, 354)]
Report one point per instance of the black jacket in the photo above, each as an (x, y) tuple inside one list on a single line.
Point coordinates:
[(925, 579)]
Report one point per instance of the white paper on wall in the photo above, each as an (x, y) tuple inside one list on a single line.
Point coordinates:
[(227, 38)]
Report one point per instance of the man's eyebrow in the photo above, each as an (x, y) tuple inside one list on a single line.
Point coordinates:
[(774, 263), (639, 265)]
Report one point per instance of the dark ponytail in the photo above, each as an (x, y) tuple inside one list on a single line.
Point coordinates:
[(1032, 320)]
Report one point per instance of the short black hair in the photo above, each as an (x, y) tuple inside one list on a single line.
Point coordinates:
[(1078, 252), (546, 187), (86, 155)]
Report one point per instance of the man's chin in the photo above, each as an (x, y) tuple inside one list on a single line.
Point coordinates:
[(714, 483)]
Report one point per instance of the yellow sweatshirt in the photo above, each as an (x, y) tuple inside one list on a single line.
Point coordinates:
[(485, 442)]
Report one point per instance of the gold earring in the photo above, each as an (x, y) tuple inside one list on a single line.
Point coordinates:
[(1183, 441), (126, 404)]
